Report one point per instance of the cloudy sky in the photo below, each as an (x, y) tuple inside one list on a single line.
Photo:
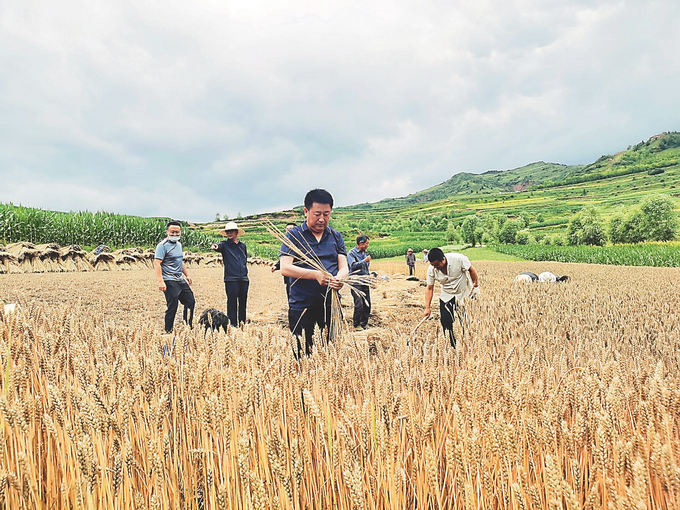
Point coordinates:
[(187, 109)]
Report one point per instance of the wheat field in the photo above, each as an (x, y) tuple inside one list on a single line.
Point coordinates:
[(558, 396)]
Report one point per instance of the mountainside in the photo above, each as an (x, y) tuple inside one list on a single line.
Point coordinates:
[(492, 181), (657, 153)]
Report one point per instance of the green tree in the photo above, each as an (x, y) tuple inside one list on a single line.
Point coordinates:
[(522, 237), (452, 233), (469, 230), (586, 228), (526, 218), (508, 232), (658, 220)]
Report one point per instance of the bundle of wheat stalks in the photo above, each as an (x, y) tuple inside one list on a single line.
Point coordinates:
[(562, 397), (304, 256)]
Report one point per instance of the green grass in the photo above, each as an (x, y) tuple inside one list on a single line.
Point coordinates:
[(477, 253)]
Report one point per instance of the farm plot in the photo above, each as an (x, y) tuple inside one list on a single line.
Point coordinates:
[(558, 396)]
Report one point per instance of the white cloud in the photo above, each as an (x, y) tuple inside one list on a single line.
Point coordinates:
[(244, 106)]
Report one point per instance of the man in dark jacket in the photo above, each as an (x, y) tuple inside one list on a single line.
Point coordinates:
[(358, 261), (411, 261), (235, 256)]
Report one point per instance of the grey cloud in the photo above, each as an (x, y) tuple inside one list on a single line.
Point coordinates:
[(238, 106)]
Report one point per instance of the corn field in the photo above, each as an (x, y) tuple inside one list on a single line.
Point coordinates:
[(558, 396), (38, 226)]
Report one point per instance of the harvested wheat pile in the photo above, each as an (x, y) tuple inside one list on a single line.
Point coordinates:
[(50, 257), (8, 262), (212, 260), (192, 259), (28, 257), (74, 258), (103, 261)]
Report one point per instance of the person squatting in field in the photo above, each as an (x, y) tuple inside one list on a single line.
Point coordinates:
[(411, 261), (173, 278), (236, 283), (529, 277), (310, 290), (358, 261), (451, 271)]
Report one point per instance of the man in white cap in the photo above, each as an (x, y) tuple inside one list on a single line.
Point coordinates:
[(236, 283)]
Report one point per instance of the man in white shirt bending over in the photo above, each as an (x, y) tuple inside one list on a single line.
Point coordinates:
[(451, 270)]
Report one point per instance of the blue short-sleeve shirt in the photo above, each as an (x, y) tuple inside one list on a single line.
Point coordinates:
[(306, 293), (171, 257)]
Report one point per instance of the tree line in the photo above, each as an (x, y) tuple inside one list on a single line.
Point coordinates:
[(653, 220)]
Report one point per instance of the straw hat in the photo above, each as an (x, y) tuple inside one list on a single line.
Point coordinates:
[(231, 226), (410, 249)]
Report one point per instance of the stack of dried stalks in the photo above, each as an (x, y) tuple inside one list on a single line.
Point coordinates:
[(125, 260), (260, 261), (192, 259), (27, 256), (74, 258), (212, 260), (304, 256), (146, 257), (104, 261), (50, 256), (8, 262)]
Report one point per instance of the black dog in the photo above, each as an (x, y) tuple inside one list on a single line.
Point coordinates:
[(213, 319)]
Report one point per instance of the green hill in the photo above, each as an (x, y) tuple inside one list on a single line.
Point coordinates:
[(549, 194), (546, 195)]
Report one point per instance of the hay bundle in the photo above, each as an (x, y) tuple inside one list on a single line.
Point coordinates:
[(74, 258), (192, 259), (28, 257), (8, 262), (132, 257), (103, 261), (305, 255), (50, 256), (124, 261), (146, 258), (260, 261), (212, 261)]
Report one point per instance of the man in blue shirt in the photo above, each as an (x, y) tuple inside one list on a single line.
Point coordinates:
[(236, 282), (358, 261), (310, 289), (170, 268)]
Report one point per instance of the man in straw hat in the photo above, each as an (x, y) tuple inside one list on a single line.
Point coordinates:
[(451, 270), (411, 261), (172, 276), (310, 290), (236, 283)]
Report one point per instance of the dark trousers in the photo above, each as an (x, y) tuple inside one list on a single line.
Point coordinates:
[(447, 314), (178, 292), (362, 306), (237, 298), (411, 270), (286, 282), (301, 321)]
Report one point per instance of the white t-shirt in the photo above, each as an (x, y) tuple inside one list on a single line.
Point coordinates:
[(454, 282)]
